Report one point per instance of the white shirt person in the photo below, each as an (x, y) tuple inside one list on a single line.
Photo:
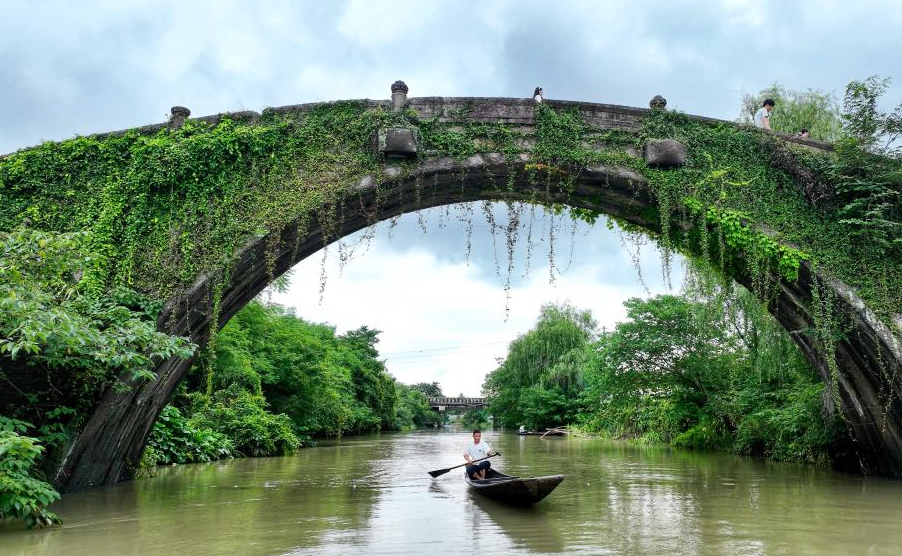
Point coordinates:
[(762, 116), (478, 449)]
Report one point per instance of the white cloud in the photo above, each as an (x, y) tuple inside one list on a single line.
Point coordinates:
[(745, 13), (444, 320), (377, 23)]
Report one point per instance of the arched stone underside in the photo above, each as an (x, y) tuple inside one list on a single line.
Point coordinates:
[(868, 357)]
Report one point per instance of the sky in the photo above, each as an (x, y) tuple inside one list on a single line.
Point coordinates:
[(75, 68)]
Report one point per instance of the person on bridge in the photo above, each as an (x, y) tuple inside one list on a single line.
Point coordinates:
[(538, 95), (478, 449), (804, 133), (762, 116)]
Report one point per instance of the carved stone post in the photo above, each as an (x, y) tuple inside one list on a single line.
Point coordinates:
[(178, 117), (398, 95), (658, 103)]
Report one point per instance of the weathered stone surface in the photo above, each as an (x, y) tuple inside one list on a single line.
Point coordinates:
[(657, 103), (396, 142), (665, 153)]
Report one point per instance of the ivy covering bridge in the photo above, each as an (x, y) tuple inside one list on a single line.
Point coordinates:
[(194, 218)]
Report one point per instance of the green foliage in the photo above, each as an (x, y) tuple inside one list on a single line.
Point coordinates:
[(45, 315), (429, 389), (545, 407), (476, 419), (869, 188), (709, 369), (375, 392), (175, 440), (866, 171), (691, 374), (150, 201), (741, 240), (754, 182), (244, 420), (322, 383), (816, 111), (275, 381), (413, 408), (22, 494), (663, 366), (540, 375), (779, 424), (67, 345), (559, 135), (863, 121)]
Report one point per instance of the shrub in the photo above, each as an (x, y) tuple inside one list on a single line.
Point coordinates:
[(176, 439), (22, 495), (243, 417)]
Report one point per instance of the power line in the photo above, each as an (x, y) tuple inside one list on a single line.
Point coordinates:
[(415, 361), (422, 355), (441, 348)]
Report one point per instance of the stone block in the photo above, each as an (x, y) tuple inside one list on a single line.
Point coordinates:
[(396, 142), (665, 153)]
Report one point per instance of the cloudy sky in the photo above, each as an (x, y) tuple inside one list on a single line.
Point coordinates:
[(82, 67)]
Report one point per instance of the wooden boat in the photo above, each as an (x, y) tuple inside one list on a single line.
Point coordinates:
[(514, 490), (546, 432)]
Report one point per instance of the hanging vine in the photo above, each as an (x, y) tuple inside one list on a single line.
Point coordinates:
[(827, 332), (511, 233)]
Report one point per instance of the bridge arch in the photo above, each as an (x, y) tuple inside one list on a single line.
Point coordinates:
[(867, 360)]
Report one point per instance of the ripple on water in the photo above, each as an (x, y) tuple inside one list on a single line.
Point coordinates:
[(373, 496)]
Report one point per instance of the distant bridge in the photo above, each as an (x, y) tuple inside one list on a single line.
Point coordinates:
[(444, 403)]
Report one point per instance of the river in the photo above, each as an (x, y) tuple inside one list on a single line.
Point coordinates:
[(371, 495)]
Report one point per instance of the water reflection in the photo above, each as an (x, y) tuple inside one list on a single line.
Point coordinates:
[(529, 528), (252, 506)]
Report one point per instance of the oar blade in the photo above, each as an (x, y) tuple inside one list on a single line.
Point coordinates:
[(438, 472)]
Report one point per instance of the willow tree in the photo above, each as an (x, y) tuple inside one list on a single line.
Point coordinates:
[(539, 379)]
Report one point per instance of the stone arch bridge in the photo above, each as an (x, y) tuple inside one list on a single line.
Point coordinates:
[(424, 152)]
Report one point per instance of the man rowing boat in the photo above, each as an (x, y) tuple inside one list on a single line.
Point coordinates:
[(478, 449)]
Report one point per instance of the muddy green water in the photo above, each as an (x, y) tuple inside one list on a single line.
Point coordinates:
[(372, 496)]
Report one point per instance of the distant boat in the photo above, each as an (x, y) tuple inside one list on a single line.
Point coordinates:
[(559, 431), (514, 490)]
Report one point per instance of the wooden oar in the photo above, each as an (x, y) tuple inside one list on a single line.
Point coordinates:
[(439, 472)]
